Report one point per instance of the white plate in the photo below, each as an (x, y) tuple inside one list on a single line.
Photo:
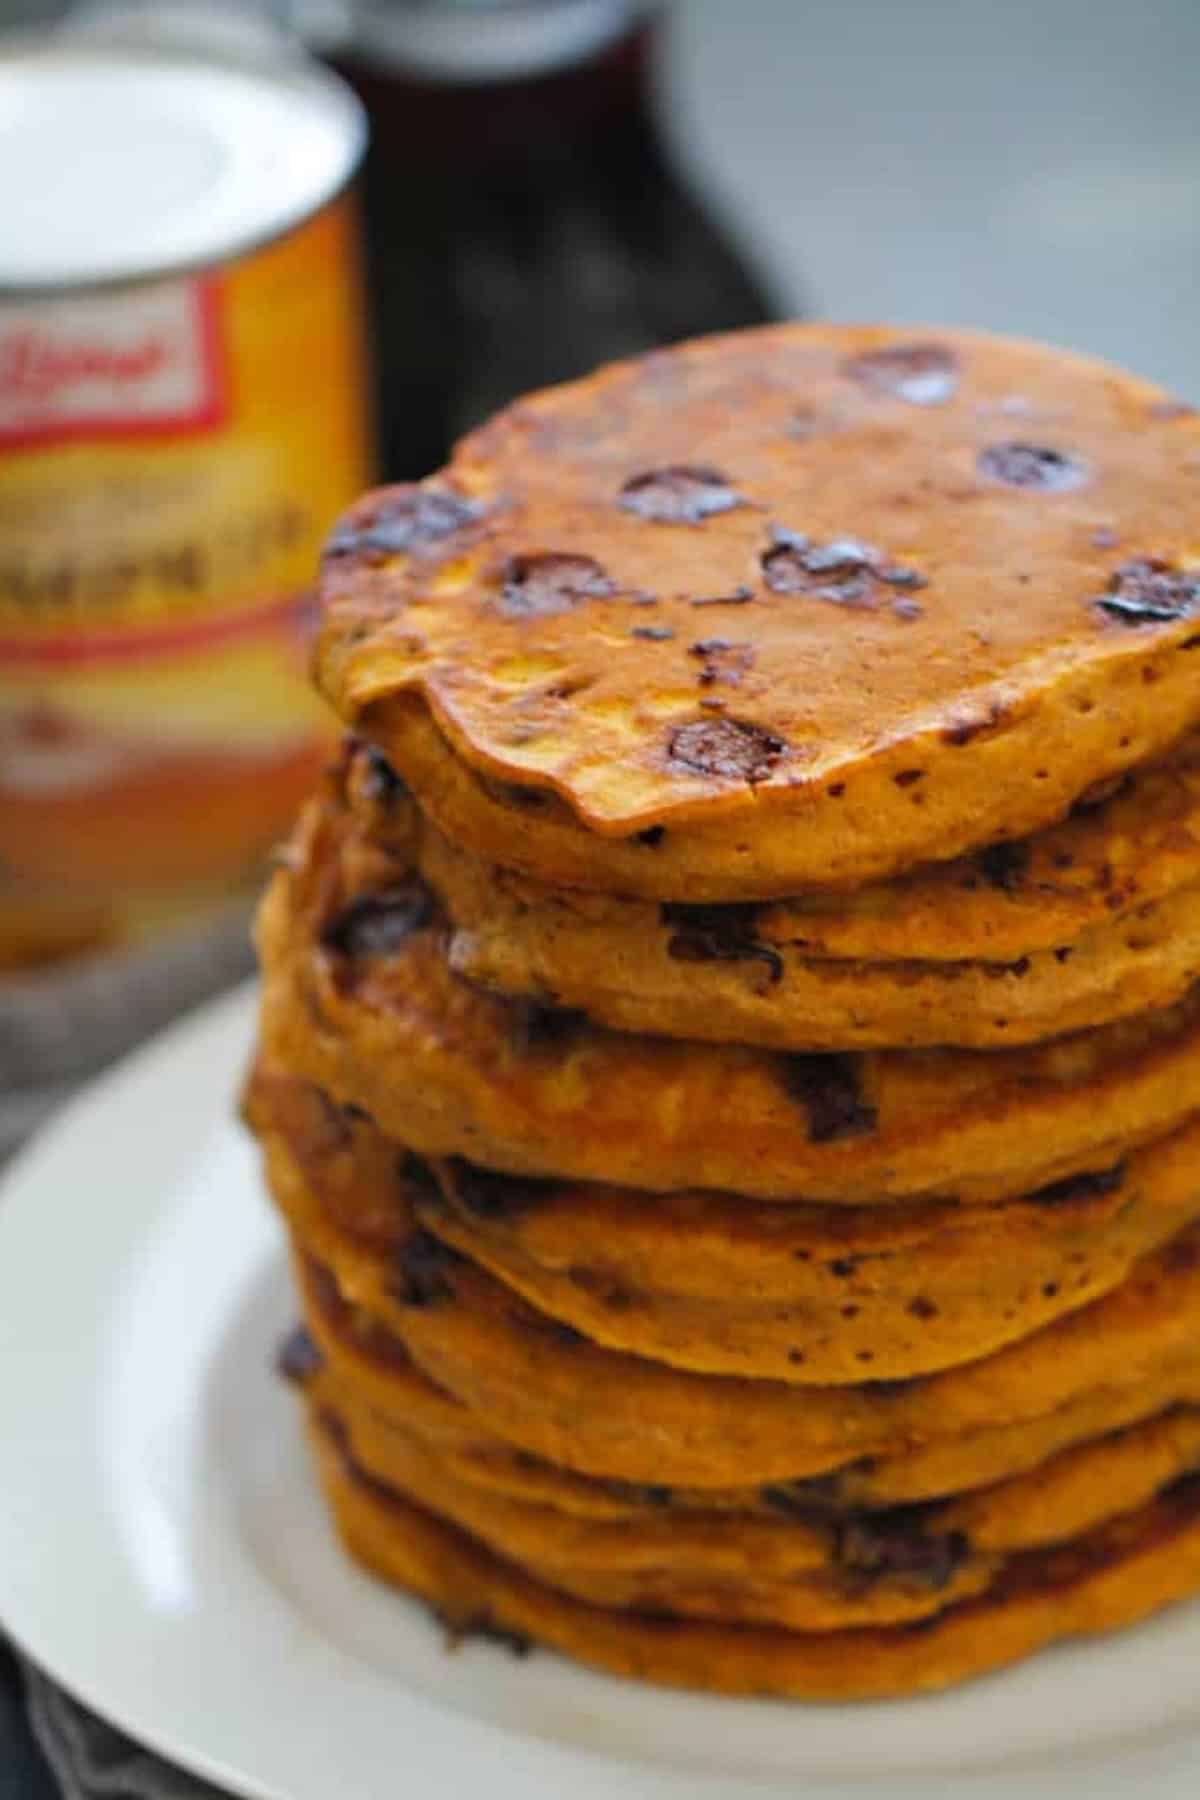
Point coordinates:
[(163, 1554)]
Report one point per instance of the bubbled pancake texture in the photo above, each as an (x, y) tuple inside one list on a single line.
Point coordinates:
[(729, 1056)]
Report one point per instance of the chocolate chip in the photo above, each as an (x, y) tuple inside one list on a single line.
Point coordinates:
[(424, 1271), (414, 1173), (726, 748), (682, 494), (844, 1267), (537, 1027), (921, 374), (652, 836), (1031, 466), (896, 575), (1080, 1187), (816, 1501), (1004, 865), (1149, 591), (828, 1088), (535, 586), (298, 1359), (653, 1493), (380, 780), (401, 520), (654, 634), (844, 571), (723, 660), (921, 1307), (557, 1330), (488, 1194), (718, 934), (907, 609), (883, 1547), (737, 596), (638, 1493), (377, 924)]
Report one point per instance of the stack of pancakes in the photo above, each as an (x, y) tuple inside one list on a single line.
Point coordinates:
[(730, 1044)]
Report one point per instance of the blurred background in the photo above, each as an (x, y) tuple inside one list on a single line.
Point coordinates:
[(549, 184)]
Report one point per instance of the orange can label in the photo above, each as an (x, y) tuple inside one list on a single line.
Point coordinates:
[(171, 456)]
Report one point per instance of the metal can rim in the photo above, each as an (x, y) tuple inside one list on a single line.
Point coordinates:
[(294, 84)]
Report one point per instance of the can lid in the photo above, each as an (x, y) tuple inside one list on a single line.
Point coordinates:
[(118, 163)]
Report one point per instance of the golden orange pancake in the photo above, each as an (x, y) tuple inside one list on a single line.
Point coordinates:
[(723, 1285), (358, 999), (753, 622)]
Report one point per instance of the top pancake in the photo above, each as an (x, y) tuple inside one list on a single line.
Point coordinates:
[(786, 609)]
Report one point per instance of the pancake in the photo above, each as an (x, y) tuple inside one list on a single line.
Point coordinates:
[(1069, 1492), (770, 1570), (813, 659), (359, 1000), (548, 1389), (1128, 846), (371, 1376), (1111, 1577), (723, 1285), (719, 974), (812, 1574)]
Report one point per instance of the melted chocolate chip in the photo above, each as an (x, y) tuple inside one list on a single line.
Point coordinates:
[(1149, 591), (718, 934), (380, 780), (829, 1090), (1080, 1187), (726, 748), (883, 1546), (424, 1270), (652, 836), (737, 596), (683, 494), (298, 1359), (401, 520), (653, 634), (1003, 865), (535, 586), (1031, 466), (377, 924), (845, 571), (487, 1194), (723, 660), (921, 374), (652, 1493), (414, 1173), (816, 1501), (639, 1493), (557, 1330), (537, 1027)]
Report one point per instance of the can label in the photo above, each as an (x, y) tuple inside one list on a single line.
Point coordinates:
[(111, 364), (171, 456)]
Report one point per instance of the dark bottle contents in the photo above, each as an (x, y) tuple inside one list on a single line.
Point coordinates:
[(524, 222)]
